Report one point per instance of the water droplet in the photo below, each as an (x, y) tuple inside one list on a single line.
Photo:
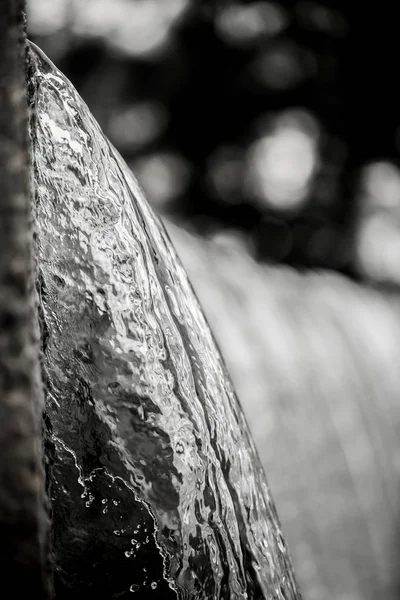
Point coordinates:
[(89, 502), (134, 587), (153, 585)]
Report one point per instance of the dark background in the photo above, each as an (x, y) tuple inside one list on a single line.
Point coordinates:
[(275, 123)]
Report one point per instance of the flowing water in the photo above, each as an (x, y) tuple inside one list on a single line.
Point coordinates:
[(155, 485)]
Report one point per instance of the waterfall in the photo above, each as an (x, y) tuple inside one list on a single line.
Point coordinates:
[(155, 484)]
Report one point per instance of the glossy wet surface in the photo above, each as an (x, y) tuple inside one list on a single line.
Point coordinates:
[(155, 486)]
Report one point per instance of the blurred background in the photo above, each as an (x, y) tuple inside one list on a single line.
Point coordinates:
[(275, 123), (273, 128)]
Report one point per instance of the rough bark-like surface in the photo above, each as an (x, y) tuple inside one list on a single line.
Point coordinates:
[(22, 511)]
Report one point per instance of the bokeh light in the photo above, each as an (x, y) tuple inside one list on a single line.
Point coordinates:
[(163, 176), (316, 16), (139, 28), (282, 66), (282, 163), (47, 16), (378, 227), (226, 171), (136, 125), (246, 24)]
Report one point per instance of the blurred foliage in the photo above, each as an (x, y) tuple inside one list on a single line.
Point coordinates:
[(264, 119)]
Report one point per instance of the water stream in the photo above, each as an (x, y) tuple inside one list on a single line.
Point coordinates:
[(155, 484)]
